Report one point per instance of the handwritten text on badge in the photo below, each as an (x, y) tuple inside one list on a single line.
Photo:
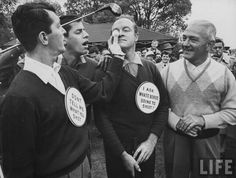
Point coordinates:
[(75, 107), (147, 97)]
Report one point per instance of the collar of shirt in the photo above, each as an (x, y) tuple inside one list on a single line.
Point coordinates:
[(137, 60), (194, 68), (46, 73), (76, 62)]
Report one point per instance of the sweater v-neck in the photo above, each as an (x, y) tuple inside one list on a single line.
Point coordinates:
[(199, 75)]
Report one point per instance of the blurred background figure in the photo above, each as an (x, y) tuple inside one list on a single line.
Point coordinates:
[(219, 55), (154, 46), (143, 52), (139, 53), (165, 59), (169, 49), (94, 53), (150, 56), (158, 57)]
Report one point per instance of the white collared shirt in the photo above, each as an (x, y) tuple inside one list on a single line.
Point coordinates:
[(132, 66), (196, 70), (46, 73)]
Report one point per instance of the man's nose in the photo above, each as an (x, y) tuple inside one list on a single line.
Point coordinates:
[(86, 35), (63, 31)]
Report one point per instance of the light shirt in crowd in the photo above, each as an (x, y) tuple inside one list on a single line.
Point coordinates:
[(46, 73), (132, 66), (195, 71)]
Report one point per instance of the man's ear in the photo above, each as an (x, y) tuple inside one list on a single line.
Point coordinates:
[(43, 38), (210, 45)]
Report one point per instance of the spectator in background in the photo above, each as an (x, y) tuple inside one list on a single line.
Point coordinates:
[(150, 56), (143, 52), (219, 55), (94, 53), (154, 48), (166, 46), (165, 59), (158, 57)]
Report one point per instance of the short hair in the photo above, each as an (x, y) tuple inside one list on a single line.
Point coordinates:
[(29, 20), (67, 18), (208, 26), (165, 53), (218, 40), (131, 18)]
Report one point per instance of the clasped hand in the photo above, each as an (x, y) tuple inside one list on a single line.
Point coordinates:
[(191, 125)]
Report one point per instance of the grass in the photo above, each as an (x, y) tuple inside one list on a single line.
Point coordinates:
[(98, 158)]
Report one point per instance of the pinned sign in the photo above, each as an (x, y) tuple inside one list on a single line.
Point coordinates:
[(75, 107), (147, 97)]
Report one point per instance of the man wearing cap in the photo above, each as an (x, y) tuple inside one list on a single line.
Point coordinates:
[(202, 96), (41, 127), (132, 122), (166, 46)]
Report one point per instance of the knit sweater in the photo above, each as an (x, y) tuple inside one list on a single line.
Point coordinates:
[(38, 138), (123, 121), (212, 94)]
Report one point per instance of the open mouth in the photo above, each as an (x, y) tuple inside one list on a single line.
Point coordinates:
[(85, 44)]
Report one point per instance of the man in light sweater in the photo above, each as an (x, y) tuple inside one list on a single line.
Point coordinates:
[(202, 98)]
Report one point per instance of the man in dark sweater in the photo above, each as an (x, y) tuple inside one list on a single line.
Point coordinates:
[(76, 47), (130, 132), (40, 137)]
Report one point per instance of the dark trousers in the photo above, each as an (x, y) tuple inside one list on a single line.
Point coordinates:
[(116, 169), (230, 153)]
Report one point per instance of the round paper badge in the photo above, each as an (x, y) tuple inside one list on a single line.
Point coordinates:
[(75, 107), (147, 97)]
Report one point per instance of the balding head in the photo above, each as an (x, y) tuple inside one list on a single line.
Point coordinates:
[(203, 27)]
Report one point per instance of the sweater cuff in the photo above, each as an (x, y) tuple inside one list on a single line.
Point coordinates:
[(173, 119), (211, 121)]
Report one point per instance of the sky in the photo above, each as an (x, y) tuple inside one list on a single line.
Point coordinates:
[(222, 13)]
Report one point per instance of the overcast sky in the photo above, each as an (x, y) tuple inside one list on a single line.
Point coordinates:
[(221, 12)]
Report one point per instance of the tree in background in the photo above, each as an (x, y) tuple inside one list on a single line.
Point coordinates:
[(83, 7), (7, 7), (160, 15)]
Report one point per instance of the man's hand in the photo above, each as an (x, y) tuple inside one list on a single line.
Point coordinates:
[(113, 45), (104, 62), (192, 121), (182, 126), (145, 149), (130, 163)]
